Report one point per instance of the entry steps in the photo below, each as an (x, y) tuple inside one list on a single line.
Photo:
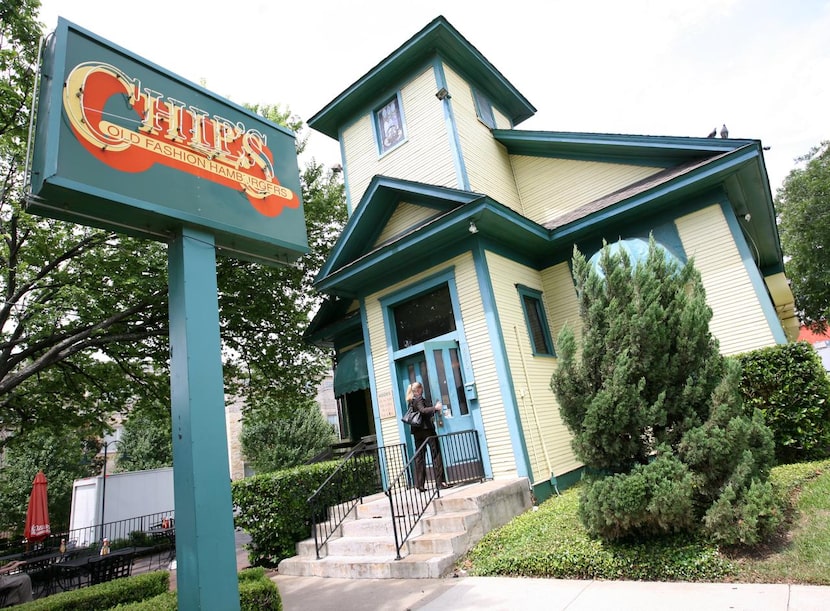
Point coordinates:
[(363, 547)]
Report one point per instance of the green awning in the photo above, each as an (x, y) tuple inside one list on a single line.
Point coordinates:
[(351, 372)]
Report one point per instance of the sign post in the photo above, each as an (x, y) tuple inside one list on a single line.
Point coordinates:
[(205, 547), (123, 145)]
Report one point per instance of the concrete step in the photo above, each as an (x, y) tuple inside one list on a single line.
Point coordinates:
[(364, 548)]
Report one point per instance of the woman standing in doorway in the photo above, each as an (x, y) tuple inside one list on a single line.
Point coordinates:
[(425, 433)]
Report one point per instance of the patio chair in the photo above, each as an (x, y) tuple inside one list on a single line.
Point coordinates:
[(107, 568)]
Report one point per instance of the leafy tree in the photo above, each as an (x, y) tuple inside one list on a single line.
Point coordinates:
[(63, 458), (83, 320), (655, 411), (803, 204), (146, 442), (286, 433)]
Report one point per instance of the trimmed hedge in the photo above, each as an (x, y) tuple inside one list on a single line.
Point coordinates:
[(104, 596), (273, 507), (790, 387), (256, 593)]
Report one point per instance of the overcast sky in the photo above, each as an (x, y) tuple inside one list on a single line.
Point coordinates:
[(653, 67)]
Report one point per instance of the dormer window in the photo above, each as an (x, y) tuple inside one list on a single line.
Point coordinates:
[(389, 125), (484, 109)]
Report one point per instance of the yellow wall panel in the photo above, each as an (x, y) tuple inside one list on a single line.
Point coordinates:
[(738, 321), (424, 156), (405, 217), (486, 161), (549, 188), (547, 439)]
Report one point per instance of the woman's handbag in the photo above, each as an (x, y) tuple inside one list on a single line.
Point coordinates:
[(412, 417)]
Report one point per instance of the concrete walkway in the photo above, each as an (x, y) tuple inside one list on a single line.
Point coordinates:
[(509, 594)]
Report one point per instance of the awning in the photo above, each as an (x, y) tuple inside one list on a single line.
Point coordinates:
[(351, 372)]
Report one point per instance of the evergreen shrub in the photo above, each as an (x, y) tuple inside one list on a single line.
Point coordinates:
[(788, 384)]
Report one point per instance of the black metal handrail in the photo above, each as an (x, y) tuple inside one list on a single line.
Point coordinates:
[(361, 473), (461, 457), (118, 532)]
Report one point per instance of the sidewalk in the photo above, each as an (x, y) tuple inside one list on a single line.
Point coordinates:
[(520, 594)]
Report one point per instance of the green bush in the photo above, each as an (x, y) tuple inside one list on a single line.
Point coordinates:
[(273, 507), (104, 596), (256, 593), (790, 387), (552, 542), (652, 499)]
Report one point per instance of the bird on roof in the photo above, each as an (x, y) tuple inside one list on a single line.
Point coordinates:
[(724, 133), (713, 133)]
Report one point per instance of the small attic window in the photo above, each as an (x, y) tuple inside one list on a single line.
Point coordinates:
[(484, 109), (389, 125)]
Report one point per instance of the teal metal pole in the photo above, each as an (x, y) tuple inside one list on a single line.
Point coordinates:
[(205, 548)]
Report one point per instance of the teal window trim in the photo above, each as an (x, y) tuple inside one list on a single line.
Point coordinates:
[(484, 109), (538, 329), (389, 124)]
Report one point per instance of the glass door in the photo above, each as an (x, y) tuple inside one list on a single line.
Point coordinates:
[(443, 362)]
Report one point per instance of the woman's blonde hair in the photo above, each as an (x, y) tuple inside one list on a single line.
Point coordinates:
[(410, 391)]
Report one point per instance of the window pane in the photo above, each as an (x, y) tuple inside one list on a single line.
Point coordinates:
[(535, 322), (424, 317), (389, 125), (485, 110)]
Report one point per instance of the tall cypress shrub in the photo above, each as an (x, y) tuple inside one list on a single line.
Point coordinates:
[(637, 387)]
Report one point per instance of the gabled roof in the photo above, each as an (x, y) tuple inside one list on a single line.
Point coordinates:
[(734, 167), (358, 262), (693, 166), (438, 38)]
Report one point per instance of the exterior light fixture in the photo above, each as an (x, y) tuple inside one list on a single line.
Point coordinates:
[(473, 229), (443, 94)]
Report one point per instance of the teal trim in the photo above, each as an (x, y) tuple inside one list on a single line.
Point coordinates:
[(204, 519), (508, 391), (653, 151), (761, 292), (344, 165), (452, 129)]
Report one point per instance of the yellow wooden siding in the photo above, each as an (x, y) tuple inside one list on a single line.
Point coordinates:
[(486, 161), (404, 218), (424, 156), (546, 437), (549, 188), (738, 321), (488, 385), (561, 308)]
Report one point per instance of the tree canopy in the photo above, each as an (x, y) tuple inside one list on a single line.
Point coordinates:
[(83, 319), (803, 204)]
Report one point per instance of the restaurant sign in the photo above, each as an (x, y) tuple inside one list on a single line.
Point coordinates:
[(122, 144)]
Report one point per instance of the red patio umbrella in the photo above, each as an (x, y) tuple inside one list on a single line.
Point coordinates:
[(37, 516)]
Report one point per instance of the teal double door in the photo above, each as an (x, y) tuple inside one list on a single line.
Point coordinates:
[(439, 369)]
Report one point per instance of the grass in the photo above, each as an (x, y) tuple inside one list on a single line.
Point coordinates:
[(551, 542)]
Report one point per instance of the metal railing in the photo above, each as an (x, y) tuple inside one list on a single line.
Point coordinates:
[(88, 536), (461, 457), (362, 473)]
